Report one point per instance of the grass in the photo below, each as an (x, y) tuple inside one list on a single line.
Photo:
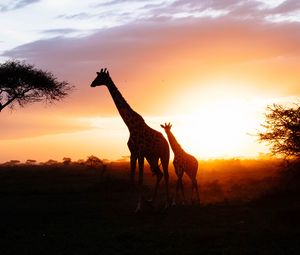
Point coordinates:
[(78, 210)]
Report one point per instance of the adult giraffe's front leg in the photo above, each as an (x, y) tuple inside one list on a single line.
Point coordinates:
[(140, 182)]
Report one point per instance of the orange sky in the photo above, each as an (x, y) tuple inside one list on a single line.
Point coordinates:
[(211, 76)]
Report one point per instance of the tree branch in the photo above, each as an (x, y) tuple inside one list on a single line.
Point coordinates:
[(8, 102)]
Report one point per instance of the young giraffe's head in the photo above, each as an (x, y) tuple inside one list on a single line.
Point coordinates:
[(167, 127), (102, 78)]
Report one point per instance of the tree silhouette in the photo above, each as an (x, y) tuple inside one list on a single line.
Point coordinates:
[(30, 162), (22, 83), (93, 161), (51, 162), (282, 130), (12, 162), (67, 161)]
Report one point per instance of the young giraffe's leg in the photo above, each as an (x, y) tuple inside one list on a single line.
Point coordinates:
[(176, 192), (197, 191), (195, 187), (182, 192), (140, 183), (179, 185)]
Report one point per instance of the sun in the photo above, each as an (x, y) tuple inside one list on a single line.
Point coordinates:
[(219, 127)]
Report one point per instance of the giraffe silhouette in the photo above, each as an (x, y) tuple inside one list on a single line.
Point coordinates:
[(183, 163), (144, 142)]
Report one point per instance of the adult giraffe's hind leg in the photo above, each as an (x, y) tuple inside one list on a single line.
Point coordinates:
[(165, 165), (133, 159), (157, 172)]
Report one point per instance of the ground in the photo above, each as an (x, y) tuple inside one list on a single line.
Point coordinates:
[(76, 210)]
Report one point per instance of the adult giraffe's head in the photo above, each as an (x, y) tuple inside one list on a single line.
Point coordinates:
[(167, 127), (102, 78)]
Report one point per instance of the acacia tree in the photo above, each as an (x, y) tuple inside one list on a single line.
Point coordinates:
[(282, 130), (93, 161), (22, 83)]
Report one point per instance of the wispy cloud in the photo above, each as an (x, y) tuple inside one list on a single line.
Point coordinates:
[(115, 2), (287, 6), (287, 11), (80, 15), (122, 12), (60, 31), (67, 32), (15, 4)]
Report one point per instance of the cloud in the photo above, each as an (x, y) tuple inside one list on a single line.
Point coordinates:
[(16, 4), (150, 56), (287, 7), (151, 39), (116, 13), (115, 2), (81, 15), (67, 32), (60, 31)]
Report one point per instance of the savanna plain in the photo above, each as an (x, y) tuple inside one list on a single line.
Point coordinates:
[(247, 207)]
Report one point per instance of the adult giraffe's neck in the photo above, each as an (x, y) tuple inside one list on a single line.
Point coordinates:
[(173, 142), (129, 116)]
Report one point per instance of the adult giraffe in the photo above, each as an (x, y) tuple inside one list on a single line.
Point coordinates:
[(144, 142)]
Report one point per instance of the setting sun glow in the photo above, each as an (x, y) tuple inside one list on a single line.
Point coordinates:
[(221, 125)]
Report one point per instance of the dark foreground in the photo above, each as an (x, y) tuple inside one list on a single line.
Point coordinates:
[(73, 212)]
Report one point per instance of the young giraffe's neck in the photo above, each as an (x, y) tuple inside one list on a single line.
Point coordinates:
[(129, 116), (173, 142)]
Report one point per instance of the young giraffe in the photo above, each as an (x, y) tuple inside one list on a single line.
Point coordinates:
[(183, 163), (144, 142)]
